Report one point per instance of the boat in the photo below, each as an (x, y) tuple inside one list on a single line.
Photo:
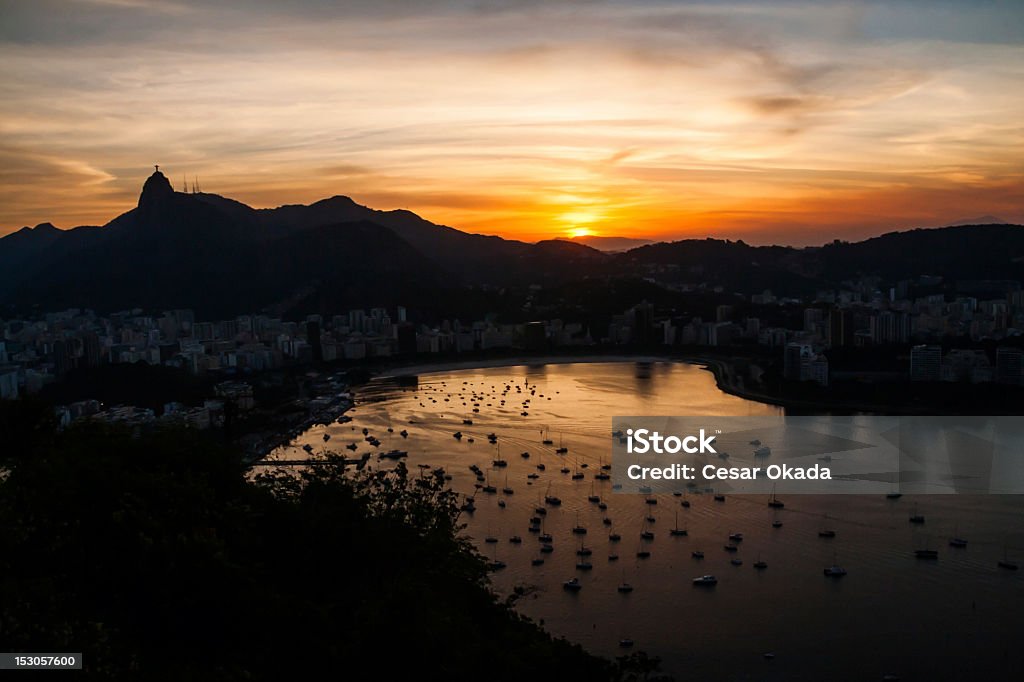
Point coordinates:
[(497, 564), (501, 503), (677, 531), (468, 506), (736, 562), (651, 500), (584, 551), (697, 554), (394, 454), (403, 433), (835, 571), (457, 435), (730, 547), (685, 503), (579, 530), (826, 533), (537, 561), (614, 537), (524, 455), (1005, 561), (561, 449), (893, 496), (774, 502), (593, 497), (467, 422), (776, 524), (491, 540), (625, 588), (584, 566), (541, 467), (957, 541), (547, 548), (307, 447), (516, 540), (760, 565), (625, 643), (572, 585), (613, 557), (602, 505), (533, 477), (352, 446), (763, 451), (606, 521), (915, 517), (736, 537), (705, 581), (327, 437), (565, 470), (719, 498), (647, 535), (643, 554), (926, 553)]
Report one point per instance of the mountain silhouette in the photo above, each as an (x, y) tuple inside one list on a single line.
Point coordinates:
[(221, 257)]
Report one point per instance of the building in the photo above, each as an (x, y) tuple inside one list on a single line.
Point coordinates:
[(801, 363), (8, 383), (926, 363), (1009, 366)]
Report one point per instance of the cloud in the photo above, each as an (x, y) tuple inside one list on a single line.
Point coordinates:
[(495, 114)]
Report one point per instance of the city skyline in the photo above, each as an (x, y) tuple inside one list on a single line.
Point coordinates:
[(792, 124)]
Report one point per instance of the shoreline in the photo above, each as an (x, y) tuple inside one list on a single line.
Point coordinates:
[(524, 360)]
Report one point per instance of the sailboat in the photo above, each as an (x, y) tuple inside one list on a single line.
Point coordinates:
[(774, 502), (677, 531), (507, 490), (593, 497), (578, 529), (915, 517), (561, 449), (956, 540), (1005, 561), (926, 553)]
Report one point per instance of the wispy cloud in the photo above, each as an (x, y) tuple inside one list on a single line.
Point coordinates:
[(494, 116)]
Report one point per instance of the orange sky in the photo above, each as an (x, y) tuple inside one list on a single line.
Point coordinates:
[(797, 123)]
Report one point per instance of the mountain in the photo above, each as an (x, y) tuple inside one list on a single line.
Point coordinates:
[(221, 257), (611, 244), (983, 220)]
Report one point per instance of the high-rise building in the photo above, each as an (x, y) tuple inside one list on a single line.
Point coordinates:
[(1010, 366), (926, 363)]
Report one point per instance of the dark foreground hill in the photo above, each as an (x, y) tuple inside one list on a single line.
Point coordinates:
[(158, 559)]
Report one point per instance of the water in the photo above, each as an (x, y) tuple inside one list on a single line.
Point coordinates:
[(956, 618)]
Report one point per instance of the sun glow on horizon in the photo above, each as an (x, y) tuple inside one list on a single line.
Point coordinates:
[(746, 120)]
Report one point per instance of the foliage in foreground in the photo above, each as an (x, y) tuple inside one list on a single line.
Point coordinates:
[(159, 558)]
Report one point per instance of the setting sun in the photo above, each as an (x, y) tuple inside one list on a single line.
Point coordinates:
[(580, 232)]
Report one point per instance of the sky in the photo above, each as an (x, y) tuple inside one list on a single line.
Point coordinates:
[(781, 122)]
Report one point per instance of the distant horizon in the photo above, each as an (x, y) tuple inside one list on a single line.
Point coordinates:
[(784, 122), (580, 238)]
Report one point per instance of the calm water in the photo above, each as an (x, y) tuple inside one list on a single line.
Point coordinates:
[(960, 617)]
